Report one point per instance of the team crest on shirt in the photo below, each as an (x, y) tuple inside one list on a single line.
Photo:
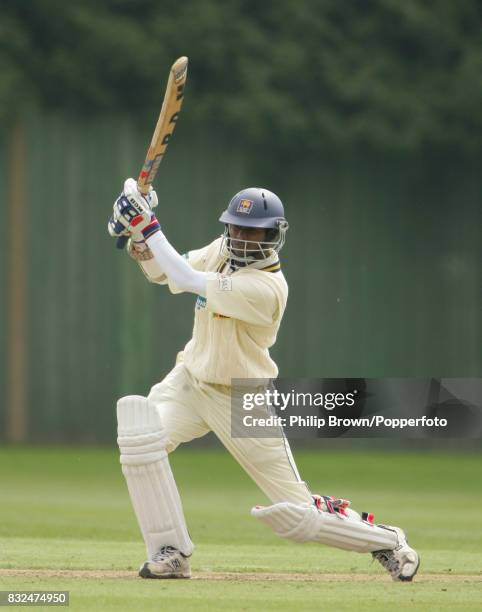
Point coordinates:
[(245, 206)]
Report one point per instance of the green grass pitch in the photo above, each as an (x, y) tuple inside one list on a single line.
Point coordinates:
[(66, 524)]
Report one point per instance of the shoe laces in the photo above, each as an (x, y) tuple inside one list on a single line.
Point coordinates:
[(164, 553), (388, 560)]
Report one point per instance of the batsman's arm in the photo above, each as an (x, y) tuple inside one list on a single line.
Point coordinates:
[(176, 267), (152, 270), (147, 264)]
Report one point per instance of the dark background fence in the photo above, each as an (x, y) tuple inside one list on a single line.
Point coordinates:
[(367, 126), (382, 259)]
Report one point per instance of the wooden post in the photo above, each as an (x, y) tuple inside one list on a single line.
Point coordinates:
[(16, 395)]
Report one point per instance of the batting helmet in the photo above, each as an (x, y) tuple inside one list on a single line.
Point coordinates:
[(255, 207)]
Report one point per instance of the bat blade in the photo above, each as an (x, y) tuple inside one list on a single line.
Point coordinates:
[(166, 123), (171, 107)]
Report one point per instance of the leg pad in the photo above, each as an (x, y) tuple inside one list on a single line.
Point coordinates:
[(149, 478)]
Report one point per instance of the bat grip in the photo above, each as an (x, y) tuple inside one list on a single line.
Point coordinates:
[(121, 242)]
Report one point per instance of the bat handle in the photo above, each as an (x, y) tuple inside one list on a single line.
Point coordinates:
[(121, 242)]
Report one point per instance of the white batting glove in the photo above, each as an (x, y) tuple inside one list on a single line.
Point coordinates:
[(133, 214)]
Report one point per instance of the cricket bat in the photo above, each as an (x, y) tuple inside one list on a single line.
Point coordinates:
[(171, 106)]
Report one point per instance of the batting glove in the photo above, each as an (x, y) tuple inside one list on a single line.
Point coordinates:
[(132, 215)]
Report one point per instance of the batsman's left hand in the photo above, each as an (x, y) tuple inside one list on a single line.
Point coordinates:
[(133, 214)]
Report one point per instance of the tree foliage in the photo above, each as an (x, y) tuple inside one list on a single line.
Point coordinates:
[(378, 73)]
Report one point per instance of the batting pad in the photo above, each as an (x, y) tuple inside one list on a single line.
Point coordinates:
[(305, 523), (150, 482)]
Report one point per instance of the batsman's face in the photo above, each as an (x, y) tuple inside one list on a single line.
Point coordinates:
[(238, 234)]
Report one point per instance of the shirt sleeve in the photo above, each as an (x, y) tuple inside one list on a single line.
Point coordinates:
[(196, 259), (245, 297)]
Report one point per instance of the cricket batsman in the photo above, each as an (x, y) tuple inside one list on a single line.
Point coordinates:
[(241, 295)]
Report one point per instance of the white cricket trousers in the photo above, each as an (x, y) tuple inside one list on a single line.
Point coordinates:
[(190, 408)]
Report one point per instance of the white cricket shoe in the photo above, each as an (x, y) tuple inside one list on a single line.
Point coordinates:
[(168, 562), (402, 562)]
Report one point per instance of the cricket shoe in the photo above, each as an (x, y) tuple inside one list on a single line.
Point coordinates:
[(402, 562), (167, 562)]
